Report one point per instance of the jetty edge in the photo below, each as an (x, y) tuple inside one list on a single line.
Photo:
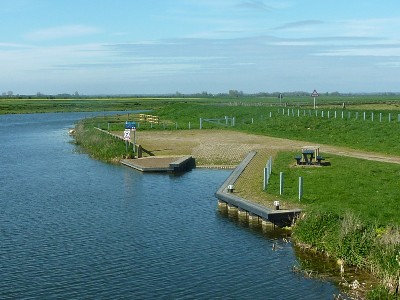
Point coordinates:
[(225, 195)]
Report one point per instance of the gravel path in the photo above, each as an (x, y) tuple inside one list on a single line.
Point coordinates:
[(228, 148)]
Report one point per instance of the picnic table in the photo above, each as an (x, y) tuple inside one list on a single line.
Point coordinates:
[(308, 154)]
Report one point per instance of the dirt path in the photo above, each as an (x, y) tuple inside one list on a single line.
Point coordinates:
[(228, 148)]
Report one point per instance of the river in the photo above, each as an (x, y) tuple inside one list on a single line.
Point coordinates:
[(75, 228)]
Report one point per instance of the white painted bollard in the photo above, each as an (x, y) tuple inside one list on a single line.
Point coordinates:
[(230, 188), (281, 183)]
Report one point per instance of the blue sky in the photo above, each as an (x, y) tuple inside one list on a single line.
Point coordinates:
[(189, 46)]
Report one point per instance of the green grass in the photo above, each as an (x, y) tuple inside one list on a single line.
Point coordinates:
[(354, 133), (368, 189), (100, 145)]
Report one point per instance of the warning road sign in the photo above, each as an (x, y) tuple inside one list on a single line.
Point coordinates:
[(314, 94), (127, 135)]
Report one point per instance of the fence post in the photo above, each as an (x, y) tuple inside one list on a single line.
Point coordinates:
[(281, 183)]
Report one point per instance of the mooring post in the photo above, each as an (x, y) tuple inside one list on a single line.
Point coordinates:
[(281, 183)]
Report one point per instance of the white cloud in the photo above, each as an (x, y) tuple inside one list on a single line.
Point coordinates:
[(69, 31)]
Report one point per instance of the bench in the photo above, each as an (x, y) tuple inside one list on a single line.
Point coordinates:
[(298, 159), (319, 159)]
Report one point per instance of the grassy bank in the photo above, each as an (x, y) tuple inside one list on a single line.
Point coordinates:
[(98, 144), (351, 212)]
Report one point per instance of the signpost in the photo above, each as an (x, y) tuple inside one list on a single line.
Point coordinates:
[(127, 137), (314, 94)]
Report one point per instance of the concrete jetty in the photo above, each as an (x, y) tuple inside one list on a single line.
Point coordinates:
[(170, 164), (226, 196)]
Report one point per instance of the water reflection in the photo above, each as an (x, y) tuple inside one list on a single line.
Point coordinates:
[(353, 282)]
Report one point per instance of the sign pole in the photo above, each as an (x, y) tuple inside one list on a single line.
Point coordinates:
[(314, 95)]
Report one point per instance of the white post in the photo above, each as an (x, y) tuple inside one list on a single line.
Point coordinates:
[(300, 187), (265, 178), (314, 102), (270, 165), (281, 183), (201, 123)]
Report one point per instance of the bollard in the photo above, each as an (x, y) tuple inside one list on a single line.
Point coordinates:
[(230, 188), (276, 204)]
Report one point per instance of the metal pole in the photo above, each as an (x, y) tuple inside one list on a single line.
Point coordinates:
[(281, 183), (300, 187), (265, 178)]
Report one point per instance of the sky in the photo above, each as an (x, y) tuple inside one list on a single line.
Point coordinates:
[(193, 46)]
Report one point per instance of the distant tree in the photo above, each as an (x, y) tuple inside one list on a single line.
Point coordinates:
[(235, 93)]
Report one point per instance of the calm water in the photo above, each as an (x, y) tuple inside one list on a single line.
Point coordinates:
[(75, 228)]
